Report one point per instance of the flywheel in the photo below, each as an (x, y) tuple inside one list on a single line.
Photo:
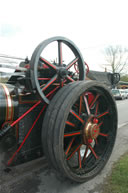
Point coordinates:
[(52, 65)]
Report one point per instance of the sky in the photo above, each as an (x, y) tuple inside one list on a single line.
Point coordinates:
[(90, 24)]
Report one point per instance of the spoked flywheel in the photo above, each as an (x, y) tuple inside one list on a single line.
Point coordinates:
[(52, 65), (79, 129)]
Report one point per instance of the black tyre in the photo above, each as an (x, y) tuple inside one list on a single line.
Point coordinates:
[(79, 130), (46, 133)]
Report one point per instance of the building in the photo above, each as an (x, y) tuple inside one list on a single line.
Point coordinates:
[(111, 80)]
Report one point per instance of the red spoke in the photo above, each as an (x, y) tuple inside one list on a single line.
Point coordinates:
[(61, 83), (52, 91), (104, 135), (79, 159), (87, 70), (48, 63), (92, 150), (72, 63), (85, 154), (96, 141), (97, 107), (100, 124), (44, 78), (69, 123), (77, 116), (69, 146), (87, 105), (72, 134), (101, 115), (69, 78), (95, 99), (53, 79), (80, 107), (78, 147), (76, 68), (60, 53)]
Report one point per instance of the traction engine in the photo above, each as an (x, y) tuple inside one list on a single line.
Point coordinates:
[(47, 108)]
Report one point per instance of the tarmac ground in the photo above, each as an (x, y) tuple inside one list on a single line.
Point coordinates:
[(37, 177)]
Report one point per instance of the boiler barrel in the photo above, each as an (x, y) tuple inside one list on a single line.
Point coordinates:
[(8, 103)]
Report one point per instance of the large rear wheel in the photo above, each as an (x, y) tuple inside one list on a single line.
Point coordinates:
[(80, 130)]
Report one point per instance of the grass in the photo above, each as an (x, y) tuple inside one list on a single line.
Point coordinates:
[(117, 182)]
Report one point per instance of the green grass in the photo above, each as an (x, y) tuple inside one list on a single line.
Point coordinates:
[(3, 80), (117, 182)]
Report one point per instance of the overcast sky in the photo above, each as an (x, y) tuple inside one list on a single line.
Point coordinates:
[(90, 24)]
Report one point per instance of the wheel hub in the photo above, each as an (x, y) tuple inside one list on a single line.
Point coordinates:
[(63, 73), (91, 130)]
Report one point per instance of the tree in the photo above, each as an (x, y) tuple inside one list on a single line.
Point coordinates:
[(124, 78), (117, 58)]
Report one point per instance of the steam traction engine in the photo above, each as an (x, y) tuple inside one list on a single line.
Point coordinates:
[(48, 108)]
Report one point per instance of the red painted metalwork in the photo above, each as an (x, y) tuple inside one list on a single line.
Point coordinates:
[(93, 102), (90, 140), (97, 106), (9, 162), (12, 158), (52, 91), (95, 120), (68, 77), (105, 113), (85, 154), (72, 63), (72, 134), (77, 116), (27, 66), (90, 100), (34, 106), (49, 82), (69, 123), (74, 151), (77, 70), (22, 116), (79, 157), (69, 146), (87, 70), (100, 123), (92, 150), (96, 141), (104, 135), (80, 105), (44, 78), (48, 63)]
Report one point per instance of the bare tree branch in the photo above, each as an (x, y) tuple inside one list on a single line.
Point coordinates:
[(117, 58)]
